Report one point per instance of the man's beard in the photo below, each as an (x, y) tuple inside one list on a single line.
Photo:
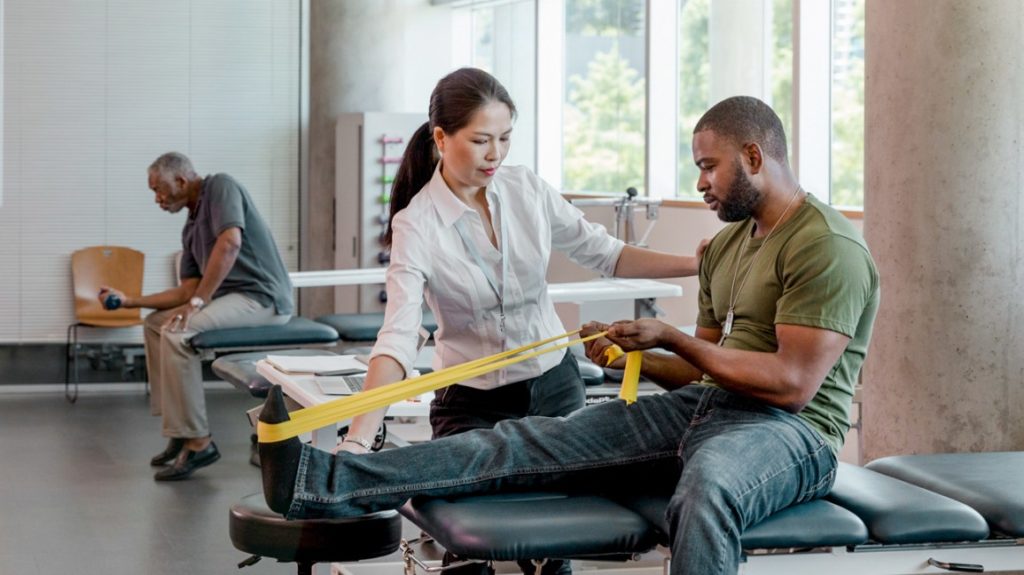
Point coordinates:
[(742, 200)]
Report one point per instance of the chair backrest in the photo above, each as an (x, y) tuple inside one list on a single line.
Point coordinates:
[(114, 266)]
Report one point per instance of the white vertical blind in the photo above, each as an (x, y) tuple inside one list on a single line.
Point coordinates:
[(1, 102), (97, 89)]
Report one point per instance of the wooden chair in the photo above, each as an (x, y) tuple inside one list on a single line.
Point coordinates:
[(91, 268)]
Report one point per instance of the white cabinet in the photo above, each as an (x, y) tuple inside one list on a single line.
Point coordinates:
[(368, 149)]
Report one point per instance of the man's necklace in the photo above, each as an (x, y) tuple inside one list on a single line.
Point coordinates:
[(733, 290)]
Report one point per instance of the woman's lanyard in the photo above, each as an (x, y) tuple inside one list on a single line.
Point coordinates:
[(499, 290)]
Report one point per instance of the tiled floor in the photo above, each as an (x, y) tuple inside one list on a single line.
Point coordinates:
[(77, 493)]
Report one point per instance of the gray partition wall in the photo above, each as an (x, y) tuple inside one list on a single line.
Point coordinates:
[(944, 170)]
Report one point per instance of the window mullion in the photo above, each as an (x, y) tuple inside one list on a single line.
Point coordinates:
[(812, 89), (662, 114), (550, 89)]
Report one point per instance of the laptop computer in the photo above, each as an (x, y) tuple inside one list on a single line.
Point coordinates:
[(349, 383), (340, 384)]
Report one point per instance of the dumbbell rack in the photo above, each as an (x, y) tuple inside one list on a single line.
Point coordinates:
[(368, 150)]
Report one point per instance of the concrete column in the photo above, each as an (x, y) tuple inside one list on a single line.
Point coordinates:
[(943, 218)]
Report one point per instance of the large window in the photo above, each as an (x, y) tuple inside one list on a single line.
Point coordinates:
[(503, 42), (848, 103), (729, 48), (609, 116), (603, 108)]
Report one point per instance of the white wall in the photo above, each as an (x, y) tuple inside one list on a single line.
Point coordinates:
[(97, 89)]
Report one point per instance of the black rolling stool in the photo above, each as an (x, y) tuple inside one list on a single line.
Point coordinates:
[(257, 530)]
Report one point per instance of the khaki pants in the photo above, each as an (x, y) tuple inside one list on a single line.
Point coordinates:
[(175, 370)]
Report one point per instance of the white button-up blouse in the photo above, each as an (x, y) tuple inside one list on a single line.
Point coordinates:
[(430, 259)]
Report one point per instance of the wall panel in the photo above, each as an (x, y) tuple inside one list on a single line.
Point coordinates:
[(94, 91)]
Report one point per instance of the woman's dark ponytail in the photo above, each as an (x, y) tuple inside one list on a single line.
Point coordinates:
[(453, 102), (413, 173)]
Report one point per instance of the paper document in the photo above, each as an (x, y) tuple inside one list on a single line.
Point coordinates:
[(315, 363)]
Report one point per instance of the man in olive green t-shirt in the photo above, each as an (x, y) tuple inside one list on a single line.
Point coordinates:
[(758, 400), (788, 296)]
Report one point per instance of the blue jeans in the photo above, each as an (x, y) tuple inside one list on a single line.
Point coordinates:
[(557, 391), (732, 462), (459, 408)]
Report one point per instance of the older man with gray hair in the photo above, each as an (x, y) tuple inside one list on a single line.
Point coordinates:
[(231, 275)]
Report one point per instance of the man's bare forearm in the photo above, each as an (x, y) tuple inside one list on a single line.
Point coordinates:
[(222, 259), (166, 299)]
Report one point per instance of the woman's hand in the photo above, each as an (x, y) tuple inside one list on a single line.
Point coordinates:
[(703, 245)]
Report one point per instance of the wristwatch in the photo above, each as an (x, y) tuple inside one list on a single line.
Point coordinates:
[(197, 303), (358, 441)]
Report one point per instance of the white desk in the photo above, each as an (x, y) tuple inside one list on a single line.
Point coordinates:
[(610, 299), (608, 289), (602, 289), (337, 277), (604, 299)]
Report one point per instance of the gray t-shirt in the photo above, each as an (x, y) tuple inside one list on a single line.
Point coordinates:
[(258, 272)]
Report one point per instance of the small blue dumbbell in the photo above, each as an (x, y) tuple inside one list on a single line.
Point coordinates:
[(111, 302)]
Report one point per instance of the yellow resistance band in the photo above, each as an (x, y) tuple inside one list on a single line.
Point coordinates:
[(315, 417), (631, 377)]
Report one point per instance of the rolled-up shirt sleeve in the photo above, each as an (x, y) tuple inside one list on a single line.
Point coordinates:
[(406, 277), (586, 243)]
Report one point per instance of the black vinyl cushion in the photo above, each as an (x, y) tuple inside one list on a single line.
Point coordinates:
[(364, 326), (298, 331), (239, 369), (812, 524), (590, 372), (255, 529), (513, 526), (897, 512), (991, 483), (862, 503)]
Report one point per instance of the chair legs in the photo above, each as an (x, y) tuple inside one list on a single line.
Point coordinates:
[(71, 353), (71, 363)]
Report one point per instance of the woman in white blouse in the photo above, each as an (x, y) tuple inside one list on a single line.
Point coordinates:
[(473, 238)]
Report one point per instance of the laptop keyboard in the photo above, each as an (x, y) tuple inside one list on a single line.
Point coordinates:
[(355, 382), (341, 384)]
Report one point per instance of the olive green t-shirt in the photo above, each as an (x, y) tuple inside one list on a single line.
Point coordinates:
[(815, 270)]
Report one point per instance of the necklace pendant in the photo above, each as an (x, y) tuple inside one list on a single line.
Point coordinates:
[(727, 327)]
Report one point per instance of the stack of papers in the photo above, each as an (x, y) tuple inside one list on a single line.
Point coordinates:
[(315, 363)]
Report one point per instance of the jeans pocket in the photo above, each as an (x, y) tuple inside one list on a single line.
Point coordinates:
[(823, 485)]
